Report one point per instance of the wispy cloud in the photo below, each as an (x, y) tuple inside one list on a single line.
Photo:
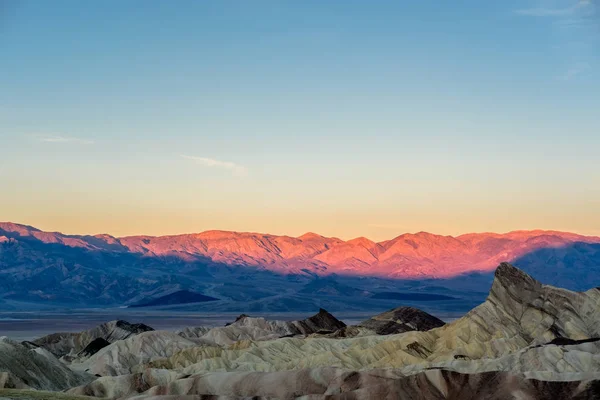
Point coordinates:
[(546, 12), (580, 6), (63, 139), (574, 22), (577, 70), (212, 163)]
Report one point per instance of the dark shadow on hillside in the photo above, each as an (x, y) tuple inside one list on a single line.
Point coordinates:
[(32, 271), (574, 267)]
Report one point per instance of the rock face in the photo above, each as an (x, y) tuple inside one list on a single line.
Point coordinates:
[(62, 344), (21, 367), (321, 322), (402, 319), (95, 346), (523, 311), (120, 357)]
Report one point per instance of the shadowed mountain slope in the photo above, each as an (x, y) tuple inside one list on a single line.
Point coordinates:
[(259, 272)]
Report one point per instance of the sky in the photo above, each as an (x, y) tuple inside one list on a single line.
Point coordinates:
[(347, 118)]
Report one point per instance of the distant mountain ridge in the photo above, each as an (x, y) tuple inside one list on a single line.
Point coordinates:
[(253, 272), (406, 256)]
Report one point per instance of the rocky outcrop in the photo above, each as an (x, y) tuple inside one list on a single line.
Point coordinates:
[(519, 313), (401, 319), (62, 344), (95, 346), (120, 357), (22, 367), (321, 322)]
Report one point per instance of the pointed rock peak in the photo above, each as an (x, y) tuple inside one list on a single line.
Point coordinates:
[(133, 328), (509, 275), (513, 287), (241, 316), (324, 321)]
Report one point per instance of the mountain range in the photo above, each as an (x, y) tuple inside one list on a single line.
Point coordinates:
[(50, 267)]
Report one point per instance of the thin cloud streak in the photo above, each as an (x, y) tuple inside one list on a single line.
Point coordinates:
[(547, 12), (212, 163), (573, 23), (64, 139), (555, 12), (577, 70)]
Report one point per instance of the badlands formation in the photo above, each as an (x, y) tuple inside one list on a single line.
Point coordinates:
[(526, 341)]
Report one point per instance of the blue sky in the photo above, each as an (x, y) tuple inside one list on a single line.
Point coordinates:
[(344, 117)]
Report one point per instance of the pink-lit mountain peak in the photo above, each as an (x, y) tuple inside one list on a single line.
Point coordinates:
[(364, 242), (311, 236), (408, 255)]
